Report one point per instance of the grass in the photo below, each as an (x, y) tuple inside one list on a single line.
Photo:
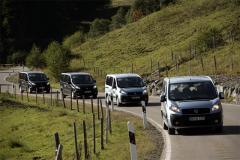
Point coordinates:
[(122, 2), (174, 28), (27, 132)]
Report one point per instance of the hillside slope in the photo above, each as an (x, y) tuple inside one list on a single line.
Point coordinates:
[(166, 37)]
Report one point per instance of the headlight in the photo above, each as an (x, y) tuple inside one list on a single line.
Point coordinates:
[(76, 87), (32, 83), (216, 107), (175, 109), (95, 87), (123, 92), (48, 83), (145, 92)]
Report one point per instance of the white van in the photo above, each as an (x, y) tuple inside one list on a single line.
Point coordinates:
[(125, 88)]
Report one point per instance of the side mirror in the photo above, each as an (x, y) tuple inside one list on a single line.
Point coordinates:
[(163, 98), (221, 95)]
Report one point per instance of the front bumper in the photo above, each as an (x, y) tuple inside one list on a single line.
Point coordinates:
[(185, 121), (133, 99), (40, 88), (81, 92)]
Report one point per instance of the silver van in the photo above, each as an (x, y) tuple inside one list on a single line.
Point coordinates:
[(125, 88), (189, 102)]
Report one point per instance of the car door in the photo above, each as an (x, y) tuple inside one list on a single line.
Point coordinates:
[(108, 85)]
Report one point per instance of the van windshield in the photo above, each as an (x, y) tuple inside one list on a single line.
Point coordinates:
[(192, 91), (130, 82), (37, 77), (82, 79)]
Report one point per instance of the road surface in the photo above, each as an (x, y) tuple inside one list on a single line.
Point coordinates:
[(192, 144)]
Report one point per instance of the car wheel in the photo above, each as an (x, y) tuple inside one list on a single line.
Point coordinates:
[(118, 103), (219, 129), (171, 131)]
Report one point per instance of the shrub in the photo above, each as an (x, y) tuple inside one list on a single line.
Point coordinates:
[(99, 27), (35, 58), (73, 40), (17, 57), (57, 59), (118, 20), (209, 38)]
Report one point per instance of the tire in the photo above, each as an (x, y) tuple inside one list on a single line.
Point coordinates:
[(219, 129), (48, 91), (94, 96), (118, 103), (171, 131), (146, 102)]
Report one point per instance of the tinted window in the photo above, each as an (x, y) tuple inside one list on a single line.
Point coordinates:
[(129, 82), (37, 77), (192, 91), (82, 79), (109, 81)]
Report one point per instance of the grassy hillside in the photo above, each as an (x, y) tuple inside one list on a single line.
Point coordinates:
[(173, 29), (27, 132)]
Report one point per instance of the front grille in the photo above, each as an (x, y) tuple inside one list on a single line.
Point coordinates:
[(134, 93), (196, 111), (183, 121)]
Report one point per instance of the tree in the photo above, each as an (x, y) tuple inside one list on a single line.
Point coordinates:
[(35, 58), (75, 39), (118, 20), (99, 27), (57, 59)]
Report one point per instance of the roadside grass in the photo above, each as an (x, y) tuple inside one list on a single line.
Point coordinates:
[(122, 2), (27, 132), (175, 28)]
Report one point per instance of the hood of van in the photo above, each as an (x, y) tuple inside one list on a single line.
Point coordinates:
[(196, 103)]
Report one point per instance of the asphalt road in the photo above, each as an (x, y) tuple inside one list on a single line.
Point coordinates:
[(192, 144)]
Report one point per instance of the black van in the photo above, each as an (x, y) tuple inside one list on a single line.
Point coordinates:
[(78, 84), (32, 81)]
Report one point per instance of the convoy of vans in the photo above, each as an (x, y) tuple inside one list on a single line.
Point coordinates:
[(186, 102)]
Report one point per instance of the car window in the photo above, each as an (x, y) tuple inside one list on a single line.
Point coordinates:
[(109, 81), (130, 82), (82, 79), (192, 91), (37, 77)]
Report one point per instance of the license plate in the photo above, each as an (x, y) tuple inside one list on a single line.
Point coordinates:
[(87, 92), (196, 118), (135, 97)]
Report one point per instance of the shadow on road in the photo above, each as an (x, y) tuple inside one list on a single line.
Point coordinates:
[(227, 130)]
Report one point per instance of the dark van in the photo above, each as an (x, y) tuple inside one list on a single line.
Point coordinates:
[(33, 81), (78, 84)]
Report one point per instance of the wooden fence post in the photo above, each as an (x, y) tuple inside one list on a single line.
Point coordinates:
[(36, 94), (94, 134), (51, 96), (83, 99), (92, 103), (43, 98), (57, 98), (215, 63), (64, 105), (107, 123), (77, 104), (202, 63), (22, 96), (57, 141), (98, 108), (110, 121), (85, 140), (102, 116), (102, 143), (75, 140)]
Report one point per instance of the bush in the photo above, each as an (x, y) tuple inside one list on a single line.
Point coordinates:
[(99, 27), (118, 20), (35, 58), (17, 57), (57, 59), (210, 38), (73, 40)]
